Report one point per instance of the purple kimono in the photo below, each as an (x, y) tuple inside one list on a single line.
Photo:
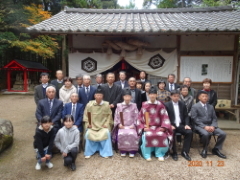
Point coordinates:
[(158, 118), (127, 138)]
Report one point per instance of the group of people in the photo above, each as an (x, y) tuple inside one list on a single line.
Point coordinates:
[(129, 116)]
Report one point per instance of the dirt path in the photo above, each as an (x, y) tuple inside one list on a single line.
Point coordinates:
[(18, 162)]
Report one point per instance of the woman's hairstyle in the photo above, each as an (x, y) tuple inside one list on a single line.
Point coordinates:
[(68, 117), (67, 79), (167, 99), (161, 81), (183, 86), (146, 84), (46, 119), (207, 80)]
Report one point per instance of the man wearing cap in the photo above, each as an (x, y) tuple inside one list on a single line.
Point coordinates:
[(97, 123), (156, 130), (206, 125), (178, 115), (124, 133)]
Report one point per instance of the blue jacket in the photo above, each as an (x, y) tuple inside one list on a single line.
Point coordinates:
[(83, 97), (78, 115)]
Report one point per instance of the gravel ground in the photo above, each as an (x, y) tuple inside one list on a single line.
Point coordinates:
[(18, 162)]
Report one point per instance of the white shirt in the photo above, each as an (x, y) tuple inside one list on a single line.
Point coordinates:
[(203, 105), (143, 80), (173, 87), (122, 83), (75, 106), (177, 113), (44, 85), (59, 81)]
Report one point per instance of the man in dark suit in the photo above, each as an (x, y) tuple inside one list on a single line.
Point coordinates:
[(99, 81), (58, 83), (86, 93), (79, 79), (40, 90), (143, 78), (170, 85), (123, 83), (76, 110), (178, 115), (112, 92), (206, 125), (50, 107), (135, 93)]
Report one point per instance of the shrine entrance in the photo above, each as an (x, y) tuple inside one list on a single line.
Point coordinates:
[(122, 66)]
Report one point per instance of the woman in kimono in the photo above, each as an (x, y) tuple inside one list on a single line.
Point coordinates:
[(157, 133), (124, 132)]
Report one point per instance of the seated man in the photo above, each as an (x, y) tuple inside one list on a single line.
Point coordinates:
[(124, 132), (178, 115), (76, 110), (157, 135), (205, 120), (98, 128)]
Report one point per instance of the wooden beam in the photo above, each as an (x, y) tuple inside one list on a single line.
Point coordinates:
[(178, 57)]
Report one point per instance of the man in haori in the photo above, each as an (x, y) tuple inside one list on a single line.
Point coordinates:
[(124, 132), (98, 130), (156, 136)]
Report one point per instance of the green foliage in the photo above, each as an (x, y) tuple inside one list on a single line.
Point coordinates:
[(131, 5), (167, 4)]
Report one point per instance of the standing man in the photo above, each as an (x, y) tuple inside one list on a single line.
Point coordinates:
[(58, 83), (98, 129), (142, 76), (51, 107), (40, 90), (86, 93), (157, 132), (79, 79), (191, 91), (76, 110), (135, 93), (112, 92), (122, 80), (178, 116), (99, 80), (206, 125), (170, 86)]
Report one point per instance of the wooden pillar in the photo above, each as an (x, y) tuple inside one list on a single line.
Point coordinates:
[(9, 80), (25, 85), (178, 57), (234, 94), (64, 67)]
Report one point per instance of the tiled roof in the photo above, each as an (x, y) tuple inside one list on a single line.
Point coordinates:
[(116, 21)]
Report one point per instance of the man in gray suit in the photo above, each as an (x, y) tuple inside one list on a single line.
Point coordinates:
[(40, 90), (206, 125)]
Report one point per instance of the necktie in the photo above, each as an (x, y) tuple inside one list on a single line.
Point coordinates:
[(205, 107), (74, 111), (87, 93), (171, 87), (50, 106)]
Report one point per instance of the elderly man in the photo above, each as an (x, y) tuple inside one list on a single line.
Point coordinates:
[(99, 80), (122, 80), (98, 122), (206, 125), (79, 79), (86, 93), (50, 107), (58, 83), (76, 110), (112, 92), (191, 91)]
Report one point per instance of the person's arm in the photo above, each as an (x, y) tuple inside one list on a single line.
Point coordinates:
[(194, 115), (165, 120), (57, 141), (109, 121), (117, 120), (38, 113), (39, 144), (64, 111), (79, 119), (74, 144), (61, 95), (214, 103), (140, 121), (135, 116), (58, 116), (185, 115), (36, 98), (51, 142), (118, 97), (214, 118), (85, 116)]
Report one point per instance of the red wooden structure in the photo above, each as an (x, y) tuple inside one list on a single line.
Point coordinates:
[(24, 66)]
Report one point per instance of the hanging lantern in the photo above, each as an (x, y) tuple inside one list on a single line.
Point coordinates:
[(123, 65)]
